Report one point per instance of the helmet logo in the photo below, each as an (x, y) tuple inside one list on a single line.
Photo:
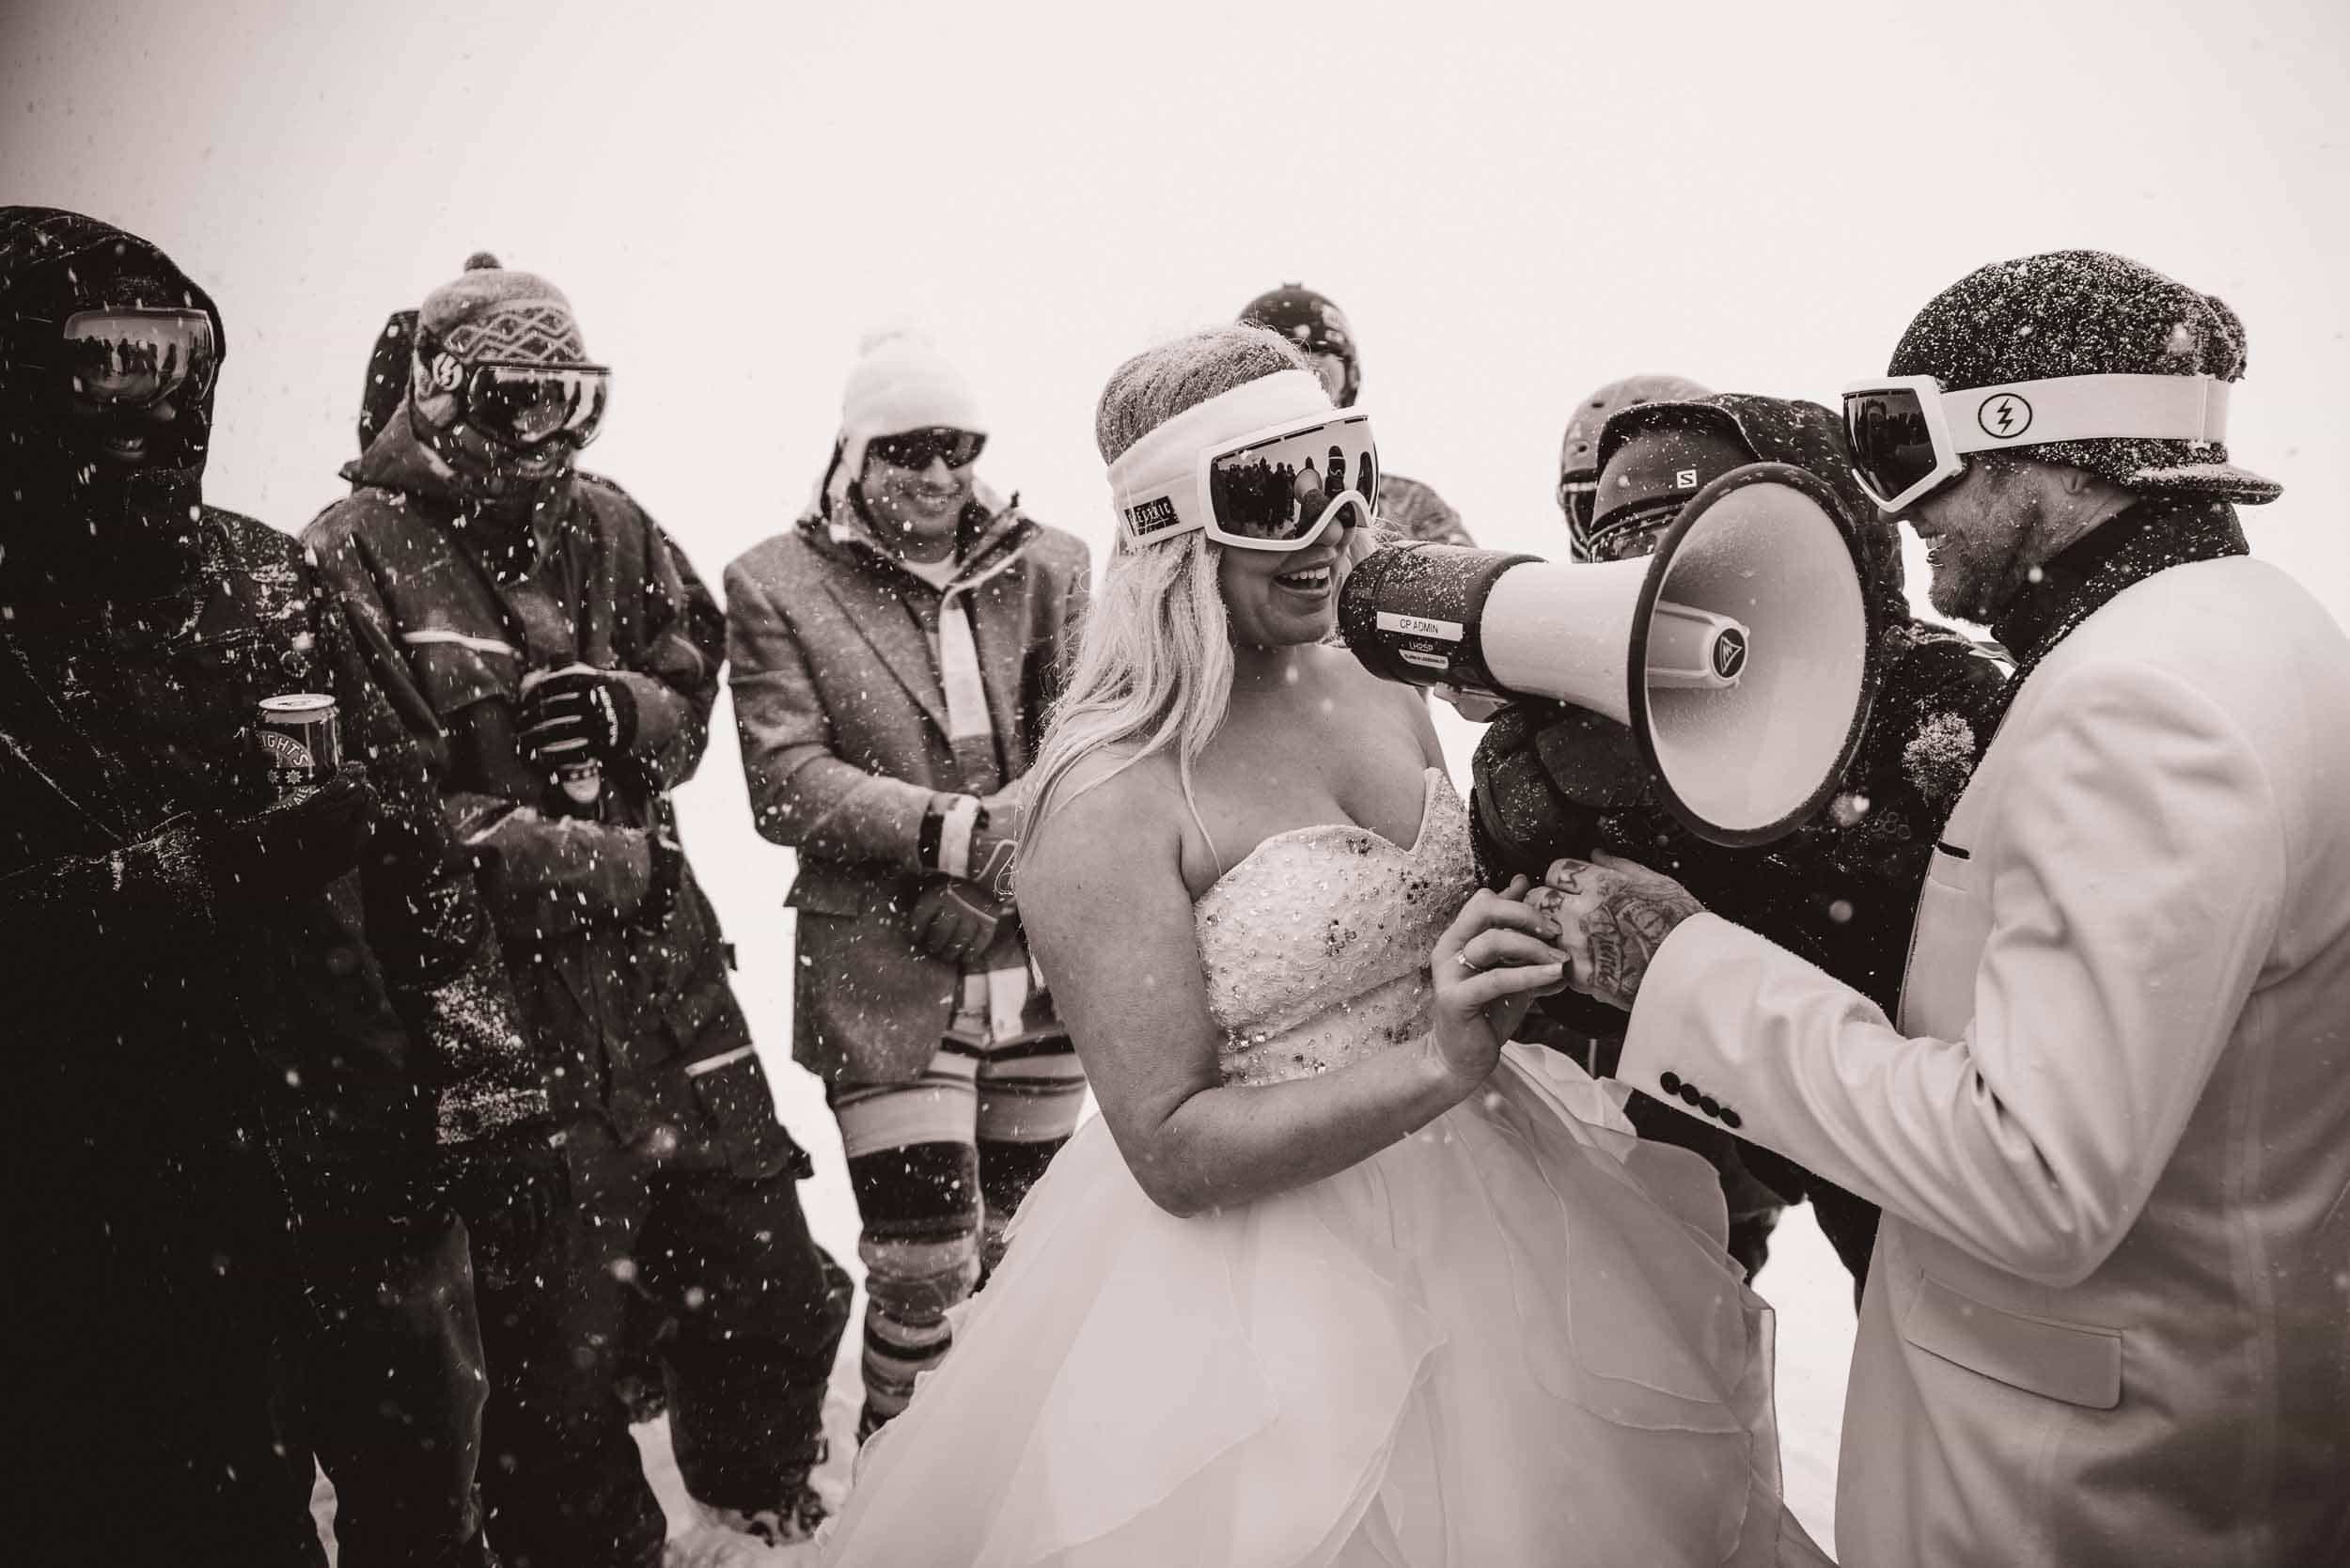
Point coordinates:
[(2005, 415), (446, 371), (1684, 478)]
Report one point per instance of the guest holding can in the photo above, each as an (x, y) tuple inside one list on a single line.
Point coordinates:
[(260, 1037)]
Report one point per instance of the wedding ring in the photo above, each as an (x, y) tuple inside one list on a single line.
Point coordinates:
[(1472, 969)]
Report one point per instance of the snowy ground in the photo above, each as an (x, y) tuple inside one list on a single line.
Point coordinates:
[(745, 877), (1802, 1281)]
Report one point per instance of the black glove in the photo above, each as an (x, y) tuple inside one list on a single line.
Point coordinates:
[(291, 846), (507, 1188), (574, 715), (953, 920)]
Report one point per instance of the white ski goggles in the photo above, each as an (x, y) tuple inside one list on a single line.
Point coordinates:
[(1268, 465), (1910, 438)]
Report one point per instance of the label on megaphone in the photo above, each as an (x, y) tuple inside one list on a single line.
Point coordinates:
[(1410, 613)]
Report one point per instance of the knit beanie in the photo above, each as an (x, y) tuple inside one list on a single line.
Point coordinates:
[(493, 313), (2087, 312), (901, 383)]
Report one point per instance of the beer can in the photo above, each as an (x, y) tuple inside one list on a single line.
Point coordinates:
[(300, 739)]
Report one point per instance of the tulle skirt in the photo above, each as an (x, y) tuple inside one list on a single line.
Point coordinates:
[(1513, 1338)]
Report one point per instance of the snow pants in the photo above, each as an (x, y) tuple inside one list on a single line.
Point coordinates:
[(748, 1314)]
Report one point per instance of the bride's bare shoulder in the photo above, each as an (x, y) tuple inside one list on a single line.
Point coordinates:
[(1113, 802)]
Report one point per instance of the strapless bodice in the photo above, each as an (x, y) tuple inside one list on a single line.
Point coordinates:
[(1316, 944)]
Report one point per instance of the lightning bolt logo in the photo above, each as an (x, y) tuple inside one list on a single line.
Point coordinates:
[(2005, 415)]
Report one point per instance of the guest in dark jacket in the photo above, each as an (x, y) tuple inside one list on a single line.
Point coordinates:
[(894, 654), (1843, 890), (559, 659), (261, 1049)]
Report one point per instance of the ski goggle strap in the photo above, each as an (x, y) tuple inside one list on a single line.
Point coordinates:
[(1267, 465), (526, 406), (1910, 437), (134, 358)]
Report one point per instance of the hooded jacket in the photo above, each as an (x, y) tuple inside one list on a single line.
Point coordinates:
[(617, 954), (846, 742), (163, 1024)]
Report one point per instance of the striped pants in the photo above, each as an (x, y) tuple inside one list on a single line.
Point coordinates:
[(938, 1164)]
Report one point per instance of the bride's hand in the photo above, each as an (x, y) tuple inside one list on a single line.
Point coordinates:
[(1487, 968)]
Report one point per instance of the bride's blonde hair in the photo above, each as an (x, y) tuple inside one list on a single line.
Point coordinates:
[(1154, 663)]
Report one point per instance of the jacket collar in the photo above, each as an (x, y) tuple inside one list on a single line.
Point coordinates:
[(400, 461)]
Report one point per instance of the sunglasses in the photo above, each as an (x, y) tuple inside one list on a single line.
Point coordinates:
[(1275, 489), (1910, 437), (135, 358), (920, 448)]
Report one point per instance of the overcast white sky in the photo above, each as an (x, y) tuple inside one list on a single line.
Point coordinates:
[(1514, 203)]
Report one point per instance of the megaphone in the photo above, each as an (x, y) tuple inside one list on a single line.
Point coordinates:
[(1738, 654)]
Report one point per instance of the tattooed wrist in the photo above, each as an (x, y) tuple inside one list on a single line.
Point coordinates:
[(1623, 926)]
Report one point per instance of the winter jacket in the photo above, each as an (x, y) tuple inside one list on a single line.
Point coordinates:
[(1410, 510), (845, 745), (617, 954), (161, 1022)]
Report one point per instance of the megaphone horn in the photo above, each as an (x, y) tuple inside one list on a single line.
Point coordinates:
[(1738, 654)]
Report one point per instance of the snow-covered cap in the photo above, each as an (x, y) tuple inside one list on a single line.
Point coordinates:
[(2089, 312)]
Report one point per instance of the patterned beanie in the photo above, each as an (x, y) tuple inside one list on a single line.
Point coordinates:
[(2087, 312), (491, 313)]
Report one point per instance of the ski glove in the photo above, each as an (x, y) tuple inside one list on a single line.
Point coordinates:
[(953, 920), (291, 846), (576, 713)]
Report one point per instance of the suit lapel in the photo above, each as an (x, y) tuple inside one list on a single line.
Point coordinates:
[(886, 625)]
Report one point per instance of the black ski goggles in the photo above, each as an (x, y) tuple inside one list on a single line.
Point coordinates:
[(530, 405), (136, 358), (920, 448)]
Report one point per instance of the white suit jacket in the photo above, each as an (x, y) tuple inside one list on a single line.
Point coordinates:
[(2108, 1322)]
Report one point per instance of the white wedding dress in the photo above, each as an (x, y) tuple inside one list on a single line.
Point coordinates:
[(1513, 1338)]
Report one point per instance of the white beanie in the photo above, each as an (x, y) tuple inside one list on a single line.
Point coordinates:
[(901, 383)]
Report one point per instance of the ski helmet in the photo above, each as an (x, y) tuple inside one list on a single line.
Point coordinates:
[(1314, 325), (1579, 452)]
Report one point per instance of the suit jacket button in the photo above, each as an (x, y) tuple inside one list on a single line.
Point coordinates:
[(1669, 1082), (1710, 1105), (1689, 1094), (1730, 1118)]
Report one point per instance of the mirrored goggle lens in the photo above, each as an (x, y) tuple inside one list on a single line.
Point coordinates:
[(528, 405), (920, 448), (1279, 489), (135, 357), (1893, 445)]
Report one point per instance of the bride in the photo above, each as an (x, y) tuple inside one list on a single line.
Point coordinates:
[(1337, 1278)]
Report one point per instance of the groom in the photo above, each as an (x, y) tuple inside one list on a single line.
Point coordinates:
[(2110, 1130)]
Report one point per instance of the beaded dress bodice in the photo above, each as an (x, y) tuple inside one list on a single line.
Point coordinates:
[(1316, 944)]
